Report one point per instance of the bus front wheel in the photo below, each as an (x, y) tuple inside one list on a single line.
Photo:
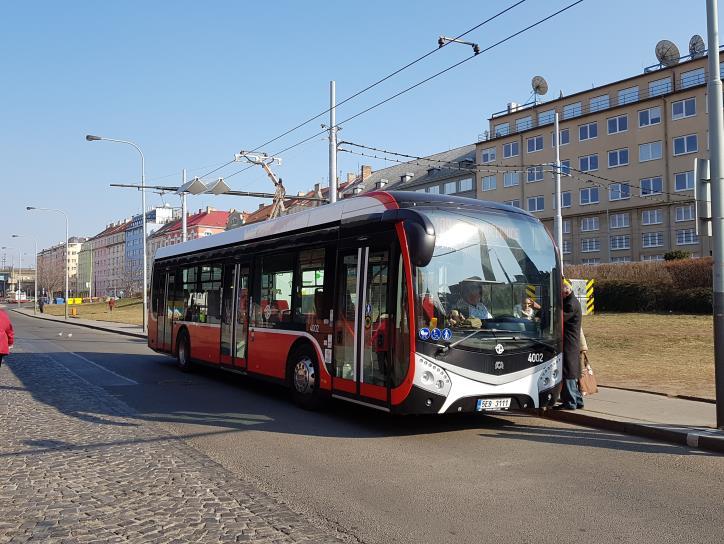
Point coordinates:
[(304, 378), (183, 352)]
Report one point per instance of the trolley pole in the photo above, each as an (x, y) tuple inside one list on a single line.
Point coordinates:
[(558, 221), (716, 157), (332, 143)]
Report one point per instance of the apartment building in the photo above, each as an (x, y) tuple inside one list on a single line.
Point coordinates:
[(51, 267), (205, 222), (627, 151), (155, 219)]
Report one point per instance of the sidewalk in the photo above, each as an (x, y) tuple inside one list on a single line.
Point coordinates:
[(109, 326), (671, 419)]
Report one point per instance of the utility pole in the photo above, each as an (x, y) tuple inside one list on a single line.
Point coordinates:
[(332, 143), (558, 221), (183, 208), (716, 157)]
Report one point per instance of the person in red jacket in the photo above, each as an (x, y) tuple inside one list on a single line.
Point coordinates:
[(7, 335)]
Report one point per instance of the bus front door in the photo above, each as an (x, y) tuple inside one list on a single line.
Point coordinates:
[(235, 315), (363, 326), (165, 305)]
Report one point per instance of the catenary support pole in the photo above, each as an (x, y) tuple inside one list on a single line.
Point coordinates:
[(183, 209), (332, 143), (558, 221), (716, 156)]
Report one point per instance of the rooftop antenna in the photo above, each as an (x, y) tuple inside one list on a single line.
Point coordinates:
[(696, 46), (540, 87), (667, 53)]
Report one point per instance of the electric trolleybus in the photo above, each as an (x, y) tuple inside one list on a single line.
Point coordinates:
[(405, 302)]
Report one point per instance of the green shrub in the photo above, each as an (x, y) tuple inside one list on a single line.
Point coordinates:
[(676, 255), (626, 296)]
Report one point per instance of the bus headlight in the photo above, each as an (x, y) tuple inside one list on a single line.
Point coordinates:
[(431, 377), (550, 375)]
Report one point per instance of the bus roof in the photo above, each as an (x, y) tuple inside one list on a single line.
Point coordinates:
[(367, 204)]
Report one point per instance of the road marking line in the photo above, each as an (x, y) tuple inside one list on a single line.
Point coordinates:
[(129, 380)]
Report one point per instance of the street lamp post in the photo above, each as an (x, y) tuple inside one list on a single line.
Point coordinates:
[(20, 270), (92, 138), (35, 285), (67, 254)]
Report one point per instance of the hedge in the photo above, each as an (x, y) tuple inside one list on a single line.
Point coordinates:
[(628, 296)]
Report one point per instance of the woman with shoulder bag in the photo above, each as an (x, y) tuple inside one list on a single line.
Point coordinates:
[(7, 335), (587, 383)]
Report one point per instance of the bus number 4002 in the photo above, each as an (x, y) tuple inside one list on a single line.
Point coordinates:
[(535, 358)]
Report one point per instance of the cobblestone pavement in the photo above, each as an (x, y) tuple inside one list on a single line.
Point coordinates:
[(76, 466)]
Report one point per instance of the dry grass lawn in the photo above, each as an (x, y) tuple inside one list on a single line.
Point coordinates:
[(671, 354), (125, 311)]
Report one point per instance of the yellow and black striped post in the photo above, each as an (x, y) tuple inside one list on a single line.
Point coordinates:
[(589, 297), (530, 292)]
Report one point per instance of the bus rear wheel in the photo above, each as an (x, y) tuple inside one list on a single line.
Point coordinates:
[(183, 352), (304, 378)]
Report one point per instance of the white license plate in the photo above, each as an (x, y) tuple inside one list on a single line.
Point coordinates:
[(493, 404)]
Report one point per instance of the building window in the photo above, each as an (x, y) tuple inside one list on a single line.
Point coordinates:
[(591, 261), (487, 155), (627, 96), (566, 167), (590, 244), (650, 116), (652, 239), (450, 187), (589, 223), (566, 199), (652, 217), (660, 86), (536, 204), (566, 226), (511, 149), (686, 144), (489, 183), (619, 191), (619, 220), (692, 77), (565, 137), (683, 108), (515, 202), (618, 124), (572, 110), (523, 123), (546, 117), (589, 195), (465, 184), (621, 259), (684, 181), (588, 131), (535, 144), (599, 103), (535, 173), (433, 189), (650, 151), (503, 129), (652, 257), (620, 242), (511, 179), (566, 246), (618, 157), (685, 237), (685, 213), (588, 163)]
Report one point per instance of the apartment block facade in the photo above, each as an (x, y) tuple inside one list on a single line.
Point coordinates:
[(627, 151), (51, 264)]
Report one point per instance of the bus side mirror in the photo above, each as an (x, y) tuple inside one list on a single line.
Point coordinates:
[(420, 243)]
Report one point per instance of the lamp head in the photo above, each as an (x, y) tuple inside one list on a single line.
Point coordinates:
[(29, 208), (92, 138), (15, 236)]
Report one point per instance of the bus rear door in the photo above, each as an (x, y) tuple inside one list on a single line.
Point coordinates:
[(235, 315)]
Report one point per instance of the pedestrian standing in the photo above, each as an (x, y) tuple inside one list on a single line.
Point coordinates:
[(7, 335), (41, 304), (571, 397), (111, 303)]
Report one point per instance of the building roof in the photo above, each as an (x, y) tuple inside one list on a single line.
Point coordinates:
[(458, 162), (203, 218)]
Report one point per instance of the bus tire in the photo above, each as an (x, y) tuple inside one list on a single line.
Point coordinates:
[(183, 352), (304, 378)]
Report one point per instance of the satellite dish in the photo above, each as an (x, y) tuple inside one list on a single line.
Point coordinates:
[(696, 46), (667, 53), (540, 85)]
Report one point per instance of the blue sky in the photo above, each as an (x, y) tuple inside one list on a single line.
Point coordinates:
[(192, 83)]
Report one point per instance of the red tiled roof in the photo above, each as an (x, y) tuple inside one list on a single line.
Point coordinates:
[(214, 219)]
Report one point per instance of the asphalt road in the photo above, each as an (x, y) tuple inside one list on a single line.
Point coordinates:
[(381, 479)]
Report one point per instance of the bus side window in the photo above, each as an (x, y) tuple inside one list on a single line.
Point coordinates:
[(312, 302), (275, 297)]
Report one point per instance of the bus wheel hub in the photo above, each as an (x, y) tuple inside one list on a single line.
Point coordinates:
[(304, 376)]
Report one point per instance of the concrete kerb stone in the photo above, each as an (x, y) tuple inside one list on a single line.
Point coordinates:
[(86, 325), (694, 438)]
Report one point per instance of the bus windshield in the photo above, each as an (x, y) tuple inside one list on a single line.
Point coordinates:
[(492, 277)]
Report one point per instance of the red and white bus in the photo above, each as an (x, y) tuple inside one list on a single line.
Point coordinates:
[(405, 302)]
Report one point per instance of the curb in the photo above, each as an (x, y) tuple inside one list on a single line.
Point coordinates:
[(86, 325), (683, 397), (693, 438)]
